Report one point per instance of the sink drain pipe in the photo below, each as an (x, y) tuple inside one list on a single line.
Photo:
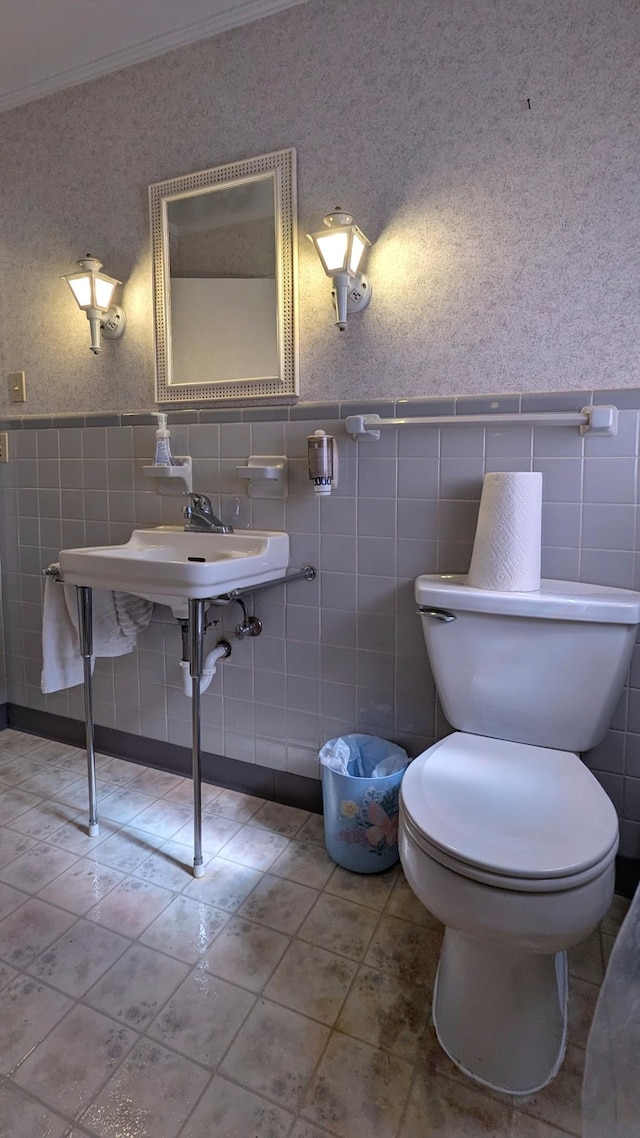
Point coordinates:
[(208, 667), (221, 651)]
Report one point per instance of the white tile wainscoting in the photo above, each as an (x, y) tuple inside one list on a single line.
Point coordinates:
[(344, 652)]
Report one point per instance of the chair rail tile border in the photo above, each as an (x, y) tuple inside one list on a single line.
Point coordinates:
[(626, 399)]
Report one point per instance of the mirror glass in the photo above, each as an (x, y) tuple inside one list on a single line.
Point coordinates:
[(224, 282)]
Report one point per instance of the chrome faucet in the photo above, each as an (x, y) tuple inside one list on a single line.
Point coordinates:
[(200, 518)]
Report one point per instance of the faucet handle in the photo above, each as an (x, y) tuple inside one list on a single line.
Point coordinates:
[(199, 502)]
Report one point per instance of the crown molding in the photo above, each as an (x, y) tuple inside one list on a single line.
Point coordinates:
[(232, 16)]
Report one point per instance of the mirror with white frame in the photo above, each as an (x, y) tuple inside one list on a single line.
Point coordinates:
[(224, 275)]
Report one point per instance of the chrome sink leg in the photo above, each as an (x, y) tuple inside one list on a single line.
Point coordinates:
[(85, 627), (196, 642)]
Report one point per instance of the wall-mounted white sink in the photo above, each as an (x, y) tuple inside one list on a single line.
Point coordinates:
[(168, 565)]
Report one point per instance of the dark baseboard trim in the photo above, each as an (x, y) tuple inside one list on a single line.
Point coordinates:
[(276, 786), (264, 782)]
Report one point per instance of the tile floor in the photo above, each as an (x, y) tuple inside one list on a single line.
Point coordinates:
[(278, 997)]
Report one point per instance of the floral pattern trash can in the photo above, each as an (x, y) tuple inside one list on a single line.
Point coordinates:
[(361, 776)]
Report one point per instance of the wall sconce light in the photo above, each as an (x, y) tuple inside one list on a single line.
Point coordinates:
[(340, 248), (93, 291)]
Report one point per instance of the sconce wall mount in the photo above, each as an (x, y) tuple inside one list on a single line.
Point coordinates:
[(93, 292), (340, 247)]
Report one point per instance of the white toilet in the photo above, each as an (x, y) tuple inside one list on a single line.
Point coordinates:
[(505, 835)]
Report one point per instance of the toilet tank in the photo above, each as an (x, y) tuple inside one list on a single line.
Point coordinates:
[(545, 668)]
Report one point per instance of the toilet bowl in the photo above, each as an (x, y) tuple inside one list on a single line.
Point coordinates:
[(507, 839), (514, 852)]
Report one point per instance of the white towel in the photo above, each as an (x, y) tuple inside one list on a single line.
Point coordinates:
[(134, 613), (117, 619)]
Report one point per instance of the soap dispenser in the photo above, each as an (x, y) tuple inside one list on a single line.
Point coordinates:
[(163, 455), (323, 461)]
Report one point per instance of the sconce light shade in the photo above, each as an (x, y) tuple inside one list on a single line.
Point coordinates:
[(93, 292), (340, 248)]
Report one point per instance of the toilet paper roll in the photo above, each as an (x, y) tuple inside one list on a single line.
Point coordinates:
[(506, 550)]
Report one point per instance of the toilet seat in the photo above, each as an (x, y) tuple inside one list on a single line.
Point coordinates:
[(509, 814), (504, 881)]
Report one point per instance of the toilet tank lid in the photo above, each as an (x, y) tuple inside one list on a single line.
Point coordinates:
[(555, 600)]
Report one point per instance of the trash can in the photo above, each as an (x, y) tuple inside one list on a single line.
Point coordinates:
[(361, 776)]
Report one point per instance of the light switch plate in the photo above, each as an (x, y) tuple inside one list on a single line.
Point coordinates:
[(18, 387)]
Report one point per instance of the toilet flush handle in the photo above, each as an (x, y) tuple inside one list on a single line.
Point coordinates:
[(437, 614)]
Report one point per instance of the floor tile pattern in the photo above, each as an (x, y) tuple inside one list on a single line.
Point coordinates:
[(279, 996)]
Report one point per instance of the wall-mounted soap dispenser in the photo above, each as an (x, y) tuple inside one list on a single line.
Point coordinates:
[(323, 461)]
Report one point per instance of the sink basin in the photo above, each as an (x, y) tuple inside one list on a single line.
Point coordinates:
[(168, 565)]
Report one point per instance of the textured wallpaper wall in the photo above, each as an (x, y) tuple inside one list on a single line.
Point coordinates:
[(489, 146)]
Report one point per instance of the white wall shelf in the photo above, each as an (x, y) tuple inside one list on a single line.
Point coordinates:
[(265, 475), (174, 480)]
